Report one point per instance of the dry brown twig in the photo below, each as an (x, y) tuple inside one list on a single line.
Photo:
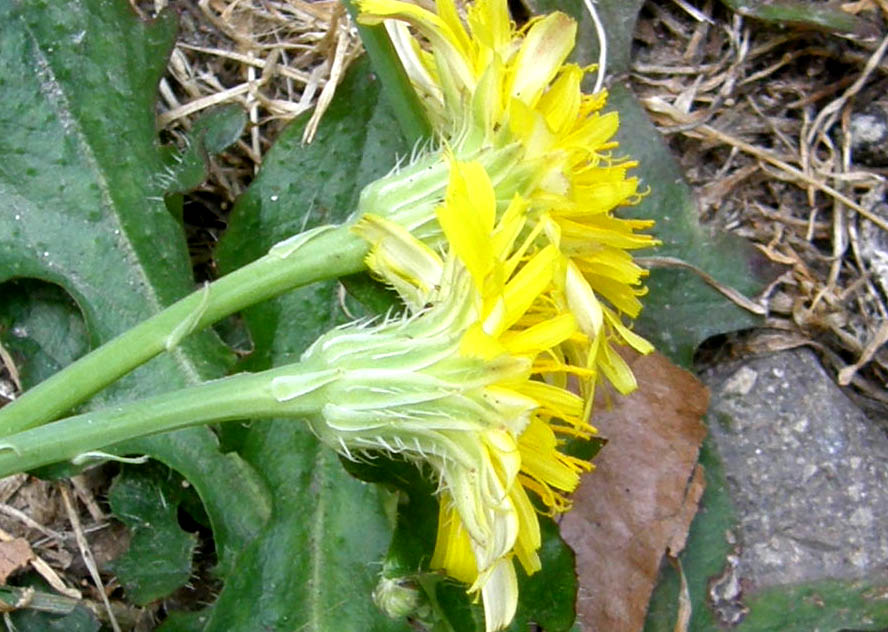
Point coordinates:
[(46, 571), (7, 361), (86, 554), (764, 114)]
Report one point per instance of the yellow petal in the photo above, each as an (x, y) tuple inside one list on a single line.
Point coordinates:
[(487, 102), (615, 369), (611, 262), (523, 289), (610, 231), (540, 337), (601, 197), (476, 343), (414, 59), (450, 16), (446, 35), (582, 301), (530, 127), (453, 548), (542, 461), (400, 258), (547, 44), (504, 455), (529, 539), (490, 23), (509, 227), (621, 295), (516, 407), (499, 594), (630, 337), (557, 401), (594, 132), (467, 218), (560, 105)]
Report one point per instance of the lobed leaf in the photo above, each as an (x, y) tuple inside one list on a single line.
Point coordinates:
[(81, 207), (146, 499)]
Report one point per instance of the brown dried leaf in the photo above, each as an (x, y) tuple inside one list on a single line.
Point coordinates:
[(641, 498), (688, 510), (14, 554)]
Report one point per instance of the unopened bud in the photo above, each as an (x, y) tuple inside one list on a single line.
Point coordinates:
[(397, 597)]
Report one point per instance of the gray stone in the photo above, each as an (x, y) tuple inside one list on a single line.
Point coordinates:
[(869, 135), (806, 469)]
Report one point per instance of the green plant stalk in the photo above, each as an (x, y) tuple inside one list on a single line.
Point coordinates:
[(329, 255), (337, 252), (17, 598), (397, 87), (243, 396)]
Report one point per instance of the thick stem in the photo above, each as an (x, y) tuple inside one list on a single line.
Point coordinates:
[(244, 396), (336, 252), (398, 89)]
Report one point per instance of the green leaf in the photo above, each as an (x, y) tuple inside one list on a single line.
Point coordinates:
[(211, 134), (81, 206), (805, 14), (146, 499), (236, 498), (41, 327), (415, 512), (548, 596), (315, 564), (78, 620), (80, 199), (830, 606), (185, 621), (457, 612)]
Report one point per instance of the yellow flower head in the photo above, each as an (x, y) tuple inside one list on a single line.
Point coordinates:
[(489, 87), (467, 384), (489, 299)]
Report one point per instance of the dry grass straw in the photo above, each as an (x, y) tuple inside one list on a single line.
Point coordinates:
[(760, 119), (45, 515), (277, 58)]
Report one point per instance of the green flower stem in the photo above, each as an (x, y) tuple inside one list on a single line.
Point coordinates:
[(396, 84), (329, 255), (243, 396), (336, 252)]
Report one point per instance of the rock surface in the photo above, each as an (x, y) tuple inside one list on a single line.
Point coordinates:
[(807, 471)]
